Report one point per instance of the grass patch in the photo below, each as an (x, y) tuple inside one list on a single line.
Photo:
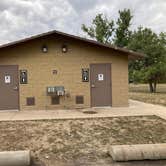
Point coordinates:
[(141, 92)]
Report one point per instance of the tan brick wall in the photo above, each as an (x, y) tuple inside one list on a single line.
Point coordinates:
[(80, 55)]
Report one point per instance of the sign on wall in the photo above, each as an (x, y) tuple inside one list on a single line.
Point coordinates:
[(23, 77), (100, 77), (7, 79), (85, 75)]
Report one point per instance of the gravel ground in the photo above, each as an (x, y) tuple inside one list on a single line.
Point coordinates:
[(80, 142)]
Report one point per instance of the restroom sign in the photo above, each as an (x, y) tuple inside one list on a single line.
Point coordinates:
[(7, 79), (100, 77)]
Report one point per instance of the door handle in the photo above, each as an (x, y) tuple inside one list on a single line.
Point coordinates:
[(15, 88), (93, 86)]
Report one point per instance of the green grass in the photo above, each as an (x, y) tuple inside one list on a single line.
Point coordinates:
[(141, 92)]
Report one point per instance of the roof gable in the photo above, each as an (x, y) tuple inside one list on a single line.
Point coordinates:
[(131, 54)]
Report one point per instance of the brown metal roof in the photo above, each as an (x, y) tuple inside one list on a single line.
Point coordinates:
[(130, 53)]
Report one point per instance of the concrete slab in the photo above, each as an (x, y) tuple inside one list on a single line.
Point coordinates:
[(135, 108)]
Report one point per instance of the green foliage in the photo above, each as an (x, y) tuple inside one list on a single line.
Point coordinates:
[(102, 29), (162, 37), (152, 68), (135, 76), (122, 32)]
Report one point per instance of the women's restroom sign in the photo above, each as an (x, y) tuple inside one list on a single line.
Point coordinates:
[(100, 77), (7, 79)]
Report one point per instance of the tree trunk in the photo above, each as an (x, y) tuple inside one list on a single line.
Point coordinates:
[(151, 87), (155, 85)]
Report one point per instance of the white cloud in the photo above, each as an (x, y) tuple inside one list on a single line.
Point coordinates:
[(22, 18)]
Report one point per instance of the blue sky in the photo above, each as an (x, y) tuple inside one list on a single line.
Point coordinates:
[(23, 18)]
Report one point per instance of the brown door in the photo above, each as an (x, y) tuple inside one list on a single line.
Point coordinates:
[(100, 82), (9, 92)]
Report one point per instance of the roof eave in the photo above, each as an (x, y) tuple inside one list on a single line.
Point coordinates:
[(131, 54)]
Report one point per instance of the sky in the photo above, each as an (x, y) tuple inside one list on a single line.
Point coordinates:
[(23, 18)]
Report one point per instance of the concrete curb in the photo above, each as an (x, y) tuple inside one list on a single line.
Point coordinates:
[(15, 158), (138, 152)]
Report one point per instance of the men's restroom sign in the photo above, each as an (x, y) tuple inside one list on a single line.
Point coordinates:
[(100, 77), (7, 79)]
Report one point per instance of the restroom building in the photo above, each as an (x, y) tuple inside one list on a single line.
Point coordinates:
[(56, 70)]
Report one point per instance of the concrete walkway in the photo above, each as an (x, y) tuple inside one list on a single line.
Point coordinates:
[(136, 108)]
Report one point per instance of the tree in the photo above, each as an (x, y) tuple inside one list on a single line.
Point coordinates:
[(102, 29), (122, 32), (152, 68)]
